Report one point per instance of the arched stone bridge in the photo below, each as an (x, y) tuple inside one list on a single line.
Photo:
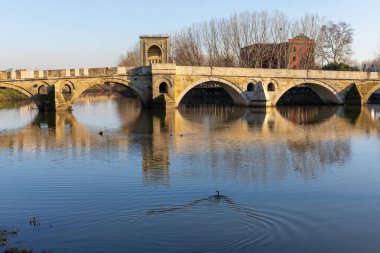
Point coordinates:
[(161, 85)]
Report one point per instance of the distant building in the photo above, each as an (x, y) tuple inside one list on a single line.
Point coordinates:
[(373, 68), (297, 53)]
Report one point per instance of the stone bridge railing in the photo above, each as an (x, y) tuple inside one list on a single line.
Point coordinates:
[(20, 74)]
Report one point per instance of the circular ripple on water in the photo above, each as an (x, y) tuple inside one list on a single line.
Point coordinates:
[(206, 225)]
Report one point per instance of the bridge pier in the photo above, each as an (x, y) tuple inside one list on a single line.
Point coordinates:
[(53, 100)]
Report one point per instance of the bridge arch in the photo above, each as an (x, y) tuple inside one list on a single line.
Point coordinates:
[(136, 91), (251, 85), (370, 93), (233, 90), (163, 86), (17, 88), (327, 93)]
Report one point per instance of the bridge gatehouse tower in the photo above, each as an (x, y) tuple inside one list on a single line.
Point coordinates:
[(154, 49)]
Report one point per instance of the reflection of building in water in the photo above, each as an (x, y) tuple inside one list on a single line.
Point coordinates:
[(375, 111), (155, 146)]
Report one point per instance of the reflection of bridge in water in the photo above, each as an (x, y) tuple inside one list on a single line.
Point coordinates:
[(246, 140)]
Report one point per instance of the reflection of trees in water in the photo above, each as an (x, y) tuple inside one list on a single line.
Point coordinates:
[(15, 104), (311, 157), (249, 144), (308, 115), (211, 114), (275, 161)]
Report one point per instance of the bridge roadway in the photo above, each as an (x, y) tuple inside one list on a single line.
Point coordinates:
[(165, 85)]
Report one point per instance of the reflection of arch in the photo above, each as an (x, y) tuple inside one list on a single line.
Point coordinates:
[(163, 88), (327, 94), (308, 115), (234, 91), (370, 93), (154, 54), (217, 114), (16, 88)]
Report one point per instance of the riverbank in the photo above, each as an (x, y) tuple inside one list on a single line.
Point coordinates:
[(11, 95)]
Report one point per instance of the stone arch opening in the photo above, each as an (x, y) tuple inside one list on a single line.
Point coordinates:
[(212, 91), (154, 54), (42, 90), (312, 93), (374, 96), (163, 88), (110, 88), (250, 87), (66, 89), (25, 93), (271, 87)]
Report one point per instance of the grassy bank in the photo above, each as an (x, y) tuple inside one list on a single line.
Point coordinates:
[(11, 95)]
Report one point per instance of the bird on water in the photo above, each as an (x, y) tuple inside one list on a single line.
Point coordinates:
[(218, 196)]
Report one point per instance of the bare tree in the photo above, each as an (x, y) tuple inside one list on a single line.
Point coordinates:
[(131, 58), (186, 47), (311, 26), (336, 40), (255, 39)]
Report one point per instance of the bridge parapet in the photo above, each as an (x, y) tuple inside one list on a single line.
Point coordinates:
[(64, 73), (276, 73)]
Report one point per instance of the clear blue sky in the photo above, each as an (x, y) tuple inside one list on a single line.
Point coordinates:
[(83, 33)]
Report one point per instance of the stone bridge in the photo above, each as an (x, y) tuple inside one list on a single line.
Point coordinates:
[(165, 85)]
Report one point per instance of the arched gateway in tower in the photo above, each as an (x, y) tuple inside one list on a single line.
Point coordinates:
[(154, 49)]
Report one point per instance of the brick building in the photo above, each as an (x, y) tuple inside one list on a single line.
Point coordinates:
[(297, 53)]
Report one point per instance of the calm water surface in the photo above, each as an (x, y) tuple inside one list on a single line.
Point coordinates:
[(293, 179)]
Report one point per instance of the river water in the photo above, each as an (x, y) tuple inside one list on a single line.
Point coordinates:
[(291, 179)]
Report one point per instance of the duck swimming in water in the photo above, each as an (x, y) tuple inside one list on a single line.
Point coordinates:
[(218, 195)]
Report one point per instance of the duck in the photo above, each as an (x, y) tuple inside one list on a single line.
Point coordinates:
[(218, 196)]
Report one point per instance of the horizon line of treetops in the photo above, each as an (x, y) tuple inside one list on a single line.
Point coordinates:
[(262, 40)]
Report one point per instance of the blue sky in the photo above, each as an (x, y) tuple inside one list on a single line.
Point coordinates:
[(83, 33)]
